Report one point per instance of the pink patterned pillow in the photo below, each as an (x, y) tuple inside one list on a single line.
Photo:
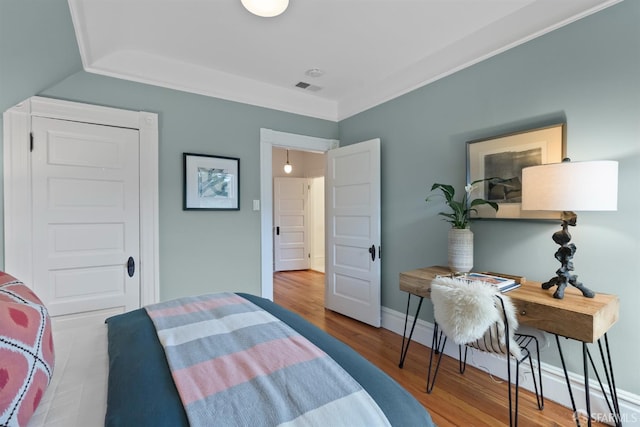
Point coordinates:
[(26, 351)]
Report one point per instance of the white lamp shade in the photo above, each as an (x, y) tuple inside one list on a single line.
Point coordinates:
[(571, 186), (288, 168), (266, 8)]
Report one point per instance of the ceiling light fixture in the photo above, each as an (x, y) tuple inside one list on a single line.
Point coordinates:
[(266, 8), (287, 167)]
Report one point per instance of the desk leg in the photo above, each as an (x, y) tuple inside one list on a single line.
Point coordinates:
[(607, 366), (405, 348)]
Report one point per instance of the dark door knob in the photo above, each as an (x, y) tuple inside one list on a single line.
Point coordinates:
[(131, 267)]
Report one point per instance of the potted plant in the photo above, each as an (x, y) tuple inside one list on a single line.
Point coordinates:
[(460, 248)]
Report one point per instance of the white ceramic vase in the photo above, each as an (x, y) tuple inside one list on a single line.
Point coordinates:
[(460, 250)]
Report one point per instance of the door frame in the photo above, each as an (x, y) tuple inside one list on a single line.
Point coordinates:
[(268, 139), (18, 259)]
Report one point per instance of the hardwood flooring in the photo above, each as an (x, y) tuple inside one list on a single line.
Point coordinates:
[(472, 399)]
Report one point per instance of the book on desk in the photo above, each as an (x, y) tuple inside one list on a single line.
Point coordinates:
[(504, 284)]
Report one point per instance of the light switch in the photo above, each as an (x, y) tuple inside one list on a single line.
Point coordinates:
[(256, 205)]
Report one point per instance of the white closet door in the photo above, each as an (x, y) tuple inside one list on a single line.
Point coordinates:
[(86, 211)]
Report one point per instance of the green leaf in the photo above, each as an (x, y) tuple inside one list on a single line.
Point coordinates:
[(447, 190)]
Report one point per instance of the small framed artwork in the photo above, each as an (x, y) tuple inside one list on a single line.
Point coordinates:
[(504, 157), (211, 182)]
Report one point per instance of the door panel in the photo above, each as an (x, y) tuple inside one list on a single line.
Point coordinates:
[(291, 216), (353, 227), (85, 215)]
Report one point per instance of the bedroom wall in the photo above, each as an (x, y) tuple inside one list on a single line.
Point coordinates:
[(37, 49), (587, 75), (199, 251)]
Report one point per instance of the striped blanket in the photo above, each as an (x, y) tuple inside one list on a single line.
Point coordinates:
[(235, 364)]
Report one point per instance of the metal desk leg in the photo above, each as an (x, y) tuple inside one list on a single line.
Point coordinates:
[(405, 348), (566, 377), (607, 366)]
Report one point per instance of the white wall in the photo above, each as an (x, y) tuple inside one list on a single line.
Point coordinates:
[(316, 215)]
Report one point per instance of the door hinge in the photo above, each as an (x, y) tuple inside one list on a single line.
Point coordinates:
[(31, 142)]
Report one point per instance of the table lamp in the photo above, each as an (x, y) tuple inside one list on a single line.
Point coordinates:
[(568, 187)]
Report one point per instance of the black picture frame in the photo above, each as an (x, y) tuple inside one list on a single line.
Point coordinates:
[(211, 183)]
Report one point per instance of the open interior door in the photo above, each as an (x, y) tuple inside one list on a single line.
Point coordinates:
[(353, 231)]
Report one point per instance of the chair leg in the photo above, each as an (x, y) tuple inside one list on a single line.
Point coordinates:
[(438, 343), (510, 386), (539, 395), (541, 399), (517, 390), (537, 379), (524, 341), (462, 363)]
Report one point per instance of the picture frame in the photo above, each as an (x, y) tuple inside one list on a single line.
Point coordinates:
[(211, 182), (505, 156)]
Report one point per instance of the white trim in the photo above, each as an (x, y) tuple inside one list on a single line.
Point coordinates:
[(17, 192), (133, 65), (17, 182), (554, 384), (269, 139)]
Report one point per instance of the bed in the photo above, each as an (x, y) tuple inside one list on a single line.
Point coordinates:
[(145, 378)]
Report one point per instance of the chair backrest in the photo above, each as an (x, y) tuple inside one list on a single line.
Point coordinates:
[(474, 313)]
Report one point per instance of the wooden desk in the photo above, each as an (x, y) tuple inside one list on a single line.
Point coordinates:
[(576, 317), (583, 319)]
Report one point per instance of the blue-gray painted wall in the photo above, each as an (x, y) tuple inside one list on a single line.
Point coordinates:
[(586, 74)]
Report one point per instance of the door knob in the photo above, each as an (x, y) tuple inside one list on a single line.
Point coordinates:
[(372, 251), (131, 267)]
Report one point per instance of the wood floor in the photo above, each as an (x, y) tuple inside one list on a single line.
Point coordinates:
[(472, 399)]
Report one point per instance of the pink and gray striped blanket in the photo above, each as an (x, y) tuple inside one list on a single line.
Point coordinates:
[(235, 364)]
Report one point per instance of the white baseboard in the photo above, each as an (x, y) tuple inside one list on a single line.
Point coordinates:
[(553, 380)]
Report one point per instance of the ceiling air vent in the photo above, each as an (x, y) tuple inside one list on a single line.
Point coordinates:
[(308, 86)]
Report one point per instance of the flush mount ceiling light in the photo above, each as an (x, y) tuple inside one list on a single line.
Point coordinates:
[(266, 8)]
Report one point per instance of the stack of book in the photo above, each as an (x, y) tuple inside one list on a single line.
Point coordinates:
[(503, 284)]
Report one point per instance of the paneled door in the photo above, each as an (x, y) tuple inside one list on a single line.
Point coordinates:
[(86, 229), (353, 245), (291, 221)]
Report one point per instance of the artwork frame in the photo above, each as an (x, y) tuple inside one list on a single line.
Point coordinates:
[(505, 156), (211, 183)]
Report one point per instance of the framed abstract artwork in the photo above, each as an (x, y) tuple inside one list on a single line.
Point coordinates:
[(211, 182), (504, 157)]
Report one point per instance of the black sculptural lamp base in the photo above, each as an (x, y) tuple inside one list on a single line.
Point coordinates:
[(564, 254)]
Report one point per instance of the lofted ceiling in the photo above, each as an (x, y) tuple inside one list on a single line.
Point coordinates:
[(368, 51)]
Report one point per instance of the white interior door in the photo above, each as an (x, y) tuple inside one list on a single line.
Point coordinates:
[(352, 187), (291, 223), (85, 181)]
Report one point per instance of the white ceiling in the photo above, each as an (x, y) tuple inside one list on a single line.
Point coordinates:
[(370, 50)]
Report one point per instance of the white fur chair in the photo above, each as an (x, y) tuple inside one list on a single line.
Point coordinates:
[(476, 314)]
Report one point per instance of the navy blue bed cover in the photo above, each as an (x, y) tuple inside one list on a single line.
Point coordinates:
[(141, 391)]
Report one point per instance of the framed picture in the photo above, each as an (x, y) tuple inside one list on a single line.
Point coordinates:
[(211, 182), (504, 157)]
